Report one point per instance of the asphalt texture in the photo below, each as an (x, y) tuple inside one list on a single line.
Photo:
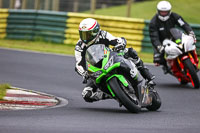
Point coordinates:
[(54, 74)]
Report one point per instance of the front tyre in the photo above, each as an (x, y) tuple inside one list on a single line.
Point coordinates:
[(123, 96), (156, 101), (191, 72)]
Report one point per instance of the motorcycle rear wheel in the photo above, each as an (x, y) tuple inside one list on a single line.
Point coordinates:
[(192, 71), (123, 97)]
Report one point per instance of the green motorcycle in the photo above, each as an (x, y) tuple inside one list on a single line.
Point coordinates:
[(119, 77)]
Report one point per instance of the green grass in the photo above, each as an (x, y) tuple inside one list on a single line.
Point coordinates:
[(52, 47), (38, 46), (3, 88), (188, 9)]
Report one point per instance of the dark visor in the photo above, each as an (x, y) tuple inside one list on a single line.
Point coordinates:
[(86, 36)]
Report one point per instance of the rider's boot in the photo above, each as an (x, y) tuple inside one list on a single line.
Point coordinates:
[(89, 95), (146, 73), (132, 54)]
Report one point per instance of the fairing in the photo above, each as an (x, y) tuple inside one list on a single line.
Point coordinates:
[(173, 50)]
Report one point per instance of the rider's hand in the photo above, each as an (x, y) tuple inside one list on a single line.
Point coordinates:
[(193, 36), (157, 59), (121, 44), (160, 49), (118, 47)]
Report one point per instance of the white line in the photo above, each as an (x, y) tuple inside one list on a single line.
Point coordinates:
[(29, 99), (11, 91)]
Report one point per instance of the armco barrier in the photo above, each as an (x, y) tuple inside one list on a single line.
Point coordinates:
[(21, 24), (36, 25), (51, 26), (62, 27)]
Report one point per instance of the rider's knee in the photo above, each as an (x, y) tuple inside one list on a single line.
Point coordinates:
[(87, 94)]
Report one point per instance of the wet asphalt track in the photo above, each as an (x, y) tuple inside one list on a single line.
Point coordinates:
[(180, 111)]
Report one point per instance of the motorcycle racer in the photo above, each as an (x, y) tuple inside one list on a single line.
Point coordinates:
[(90, 34), (159, 29)]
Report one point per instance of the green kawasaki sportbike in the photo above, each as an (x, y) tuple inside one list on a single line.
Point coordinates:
[(119, 77)]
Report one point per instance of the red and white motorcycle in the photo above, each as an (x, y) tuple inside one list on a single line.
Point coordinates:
[(182, 58)]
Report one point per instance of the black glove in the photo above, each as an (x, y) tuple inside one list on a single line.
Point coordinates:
[(193, 36), (118, 47), (157, 59)]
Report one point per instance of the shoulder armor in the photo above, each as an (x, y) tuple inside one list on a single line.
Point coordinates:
[(103, 34)]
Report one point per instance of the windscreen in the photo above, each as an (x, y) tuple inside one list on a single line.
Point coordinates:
[(176, 33), (95, 53)]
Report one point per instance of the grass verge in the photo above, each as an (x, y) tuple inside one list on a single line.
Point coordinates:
[(38, 46), (53, 48)]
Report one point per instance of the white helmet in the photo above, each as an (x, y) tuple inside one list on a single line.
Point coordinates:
[(164, 10), (89, 30)]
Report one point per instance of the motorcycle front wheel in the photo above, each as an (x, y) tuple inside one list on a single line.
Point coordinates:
[(156, 101), (129, 100), (191, 72)]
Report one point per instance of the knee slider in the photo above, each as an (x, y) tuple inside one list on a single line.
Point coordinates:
[(87, 93)]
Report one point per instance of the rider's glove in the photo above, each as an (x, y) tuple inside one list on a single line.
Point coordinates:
[(118, 47), (121, 44), (193, 36), (160, 49)]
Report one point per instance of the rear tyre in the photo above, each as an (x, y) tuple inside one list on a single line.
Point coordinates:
[(129, 103), (156, 101), (192, 73)]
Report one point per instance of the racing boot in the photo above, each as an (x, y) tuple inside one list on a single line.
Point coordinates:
[(89, 95), (145, 73), (131, 54)]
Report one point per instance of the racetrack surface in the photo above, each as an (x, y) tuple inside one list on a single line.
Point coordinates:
[(54, 74)]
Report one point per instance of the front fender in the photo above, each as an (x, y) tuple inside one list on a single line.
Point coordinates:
[(121, 78)]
